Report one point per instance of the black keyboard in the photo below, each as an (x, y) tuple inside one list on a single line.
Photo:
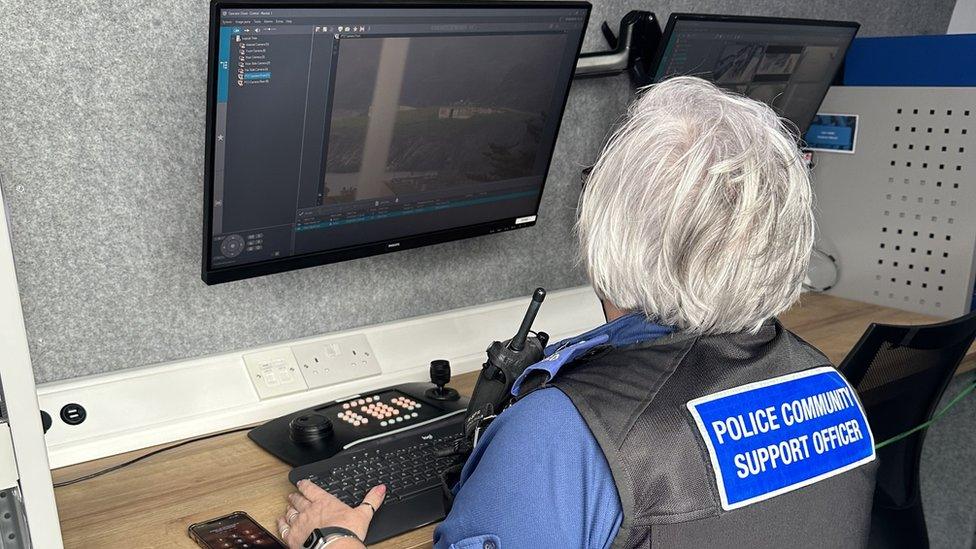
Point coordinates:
[(406, 471), (408, 463)]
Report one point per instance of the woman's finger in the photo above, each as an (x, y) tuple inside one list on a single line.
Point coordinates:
[(373, 500), (283, 528), (290, 514), (312, 492), (298, 501)]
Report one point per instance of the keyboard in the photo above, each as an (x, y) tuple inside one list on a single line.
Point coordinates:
[(408, 463)]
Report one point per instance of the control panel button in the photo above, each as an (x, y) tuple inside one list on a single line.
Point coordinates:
[(232, 245)]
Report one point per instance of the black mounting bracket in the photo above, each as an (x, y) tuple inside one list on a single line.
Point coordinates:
[(632, 50)]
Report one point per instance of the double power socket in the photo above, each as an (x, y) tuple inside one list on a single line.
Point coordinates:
[(290, 369)]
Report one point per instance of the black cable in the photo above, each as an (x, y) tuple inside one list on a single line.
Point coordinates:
[(118, 466)]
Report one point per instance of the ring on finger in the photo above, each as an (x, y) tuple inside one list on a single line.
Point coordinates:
[(291, 516), (284, 531), (370, 505)]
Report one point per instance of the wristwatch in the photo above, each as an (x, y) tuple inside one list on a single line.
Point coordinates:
[(322, 537)]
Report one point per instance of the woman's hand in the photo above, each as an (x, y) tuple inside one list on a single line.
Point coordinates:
[(312, 507)]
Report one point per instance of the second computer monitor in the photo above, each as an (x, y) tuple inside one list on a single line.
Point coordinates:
[(787, 63)]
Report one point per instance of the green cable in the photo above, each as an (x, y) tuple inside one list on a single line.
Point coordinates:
[(935, 418)]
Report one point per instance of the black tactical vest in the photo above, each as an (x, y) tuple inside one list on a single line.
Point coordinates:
[(634, 399)]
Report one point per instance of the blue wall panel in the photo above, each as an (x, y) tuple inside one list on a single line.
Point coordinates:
[(934, 61)]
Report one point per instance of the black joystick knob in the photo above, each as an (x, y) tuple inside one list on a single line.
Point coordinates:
[(440, 375), (440, 372), (310, 428)]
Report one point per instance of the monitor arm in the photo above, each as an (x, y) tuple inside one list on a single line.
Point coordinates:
[(633, 51)]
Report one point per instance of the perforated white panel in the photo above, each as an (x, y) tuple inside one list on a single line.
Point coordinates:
[(899, 213)]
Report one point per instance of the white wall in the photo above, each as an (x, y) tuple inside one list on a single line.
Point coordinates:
[(963, 18)]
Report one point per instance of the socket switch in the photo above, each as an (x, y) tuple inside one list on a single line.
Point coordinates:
[(274, 372), (336, 360)]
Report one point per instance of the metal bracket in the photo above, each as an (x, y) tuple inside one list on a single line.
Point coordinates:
[(632, 50)]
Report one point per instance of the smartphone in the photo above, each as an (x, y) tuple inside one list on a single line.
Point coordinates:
[(234, 531)]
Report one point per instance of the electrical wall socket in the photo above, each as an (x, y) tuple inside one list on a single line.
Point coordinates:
[(274, 372), (336, 360)]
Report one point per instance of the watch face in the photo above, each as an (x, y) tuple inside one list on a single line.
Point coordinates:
[(313, 539), (320, 537)]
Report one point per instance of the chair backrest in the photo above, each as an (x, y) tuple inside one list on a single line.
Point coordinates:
[(900, 373)]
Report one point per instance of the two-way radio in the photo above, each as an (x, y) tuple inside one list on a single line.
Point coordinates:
[(506, 362), (493, 390)]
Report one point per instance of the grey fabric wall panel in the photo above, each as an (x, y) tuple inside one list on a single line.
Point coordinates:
[(101, 152), (948, 477)]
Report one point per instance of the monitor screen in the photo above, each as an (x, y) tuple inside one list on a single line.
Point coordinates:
[(341, 132), (786, 63)]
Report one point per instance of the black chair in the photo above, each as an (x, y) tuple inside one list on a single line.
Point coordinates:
[(900, 373)]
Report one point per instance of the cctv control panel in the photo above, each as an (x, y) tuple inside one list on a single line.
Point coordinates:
[(320, 432)]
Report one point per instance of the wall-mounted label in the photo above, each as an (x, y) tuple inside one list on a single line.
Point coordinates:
[(832, 133)]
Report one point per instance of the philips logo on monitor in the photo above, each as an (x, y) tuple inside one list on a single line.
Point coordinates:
[(774, 436)]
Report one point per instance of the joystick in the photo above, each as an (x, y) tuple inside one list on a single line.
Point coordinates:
[(440, 375), (310, 428)]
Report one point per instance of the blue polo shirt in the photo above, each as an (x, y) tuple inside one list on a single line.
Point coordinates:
[(538, 477)]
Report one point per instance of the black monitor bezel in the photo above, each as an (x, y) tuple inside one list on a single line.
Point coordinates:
[(238, 272), (681, 16)]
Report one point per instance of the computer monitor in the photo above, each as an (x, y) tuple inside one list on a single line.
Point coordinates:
[(786, 63), (347, 129)]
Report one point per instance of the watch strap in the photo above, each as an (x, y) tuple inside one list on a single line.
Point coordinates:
[(322, 537)]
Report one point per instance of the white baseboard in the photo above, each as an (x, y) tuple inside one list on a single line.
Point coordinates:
[(152, 405)]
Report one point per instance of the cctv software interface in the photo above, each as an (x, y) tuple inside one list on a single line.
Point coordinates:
[(340, 127), (788, 67)]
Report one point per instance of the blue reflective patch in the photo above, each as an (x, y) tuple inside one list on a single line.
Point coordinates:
[(552, 363), (774, 436)]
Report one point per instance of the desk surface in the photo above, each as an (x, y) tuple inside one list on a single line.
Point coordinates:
[(151, 503)]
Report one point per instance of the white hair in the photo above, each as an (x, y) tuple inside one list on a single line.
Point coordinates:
[(699, 211)]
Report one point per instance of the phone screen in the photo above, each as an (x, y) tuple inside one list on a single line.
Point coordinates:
[(234, 531)]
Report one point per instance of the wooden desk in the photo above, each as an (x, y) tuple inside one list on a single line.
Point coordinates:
[(150, 504)]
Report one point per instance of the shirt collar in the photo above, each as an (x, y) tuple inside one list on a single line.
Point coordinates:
[(626, 330)]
